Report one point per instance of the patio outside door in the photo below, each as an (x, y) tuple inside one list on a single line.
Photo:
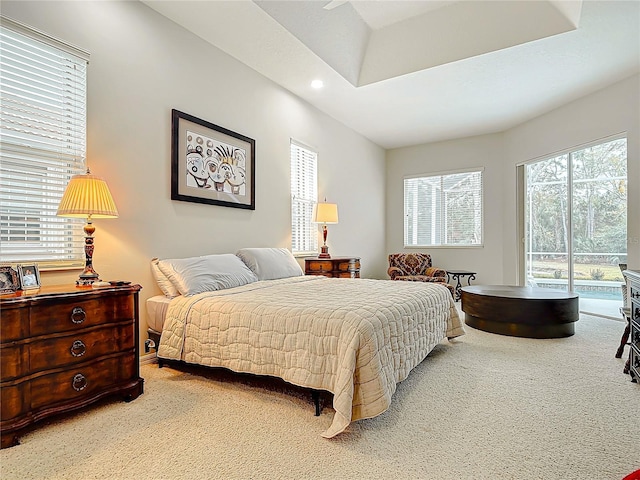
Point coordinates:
[(575, 221)]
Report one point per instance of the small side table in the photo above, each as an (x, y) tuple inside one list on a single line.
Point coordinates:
[(456, 275)]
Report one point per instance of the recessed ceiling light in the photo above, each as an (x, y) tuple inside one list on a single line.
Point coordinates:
[(317, 84)]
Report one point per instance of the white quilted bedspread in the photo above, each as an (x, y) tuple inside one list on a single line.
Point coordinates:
[(356, 338)]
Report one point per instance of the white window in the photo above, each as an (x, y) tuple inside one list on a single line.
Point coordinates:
[(304, 194), (443, 210), (42, 144)]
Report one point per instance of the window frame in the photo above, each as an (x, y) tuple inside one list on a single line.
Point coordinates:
[(309, 230), (36, 168), (443, 230)]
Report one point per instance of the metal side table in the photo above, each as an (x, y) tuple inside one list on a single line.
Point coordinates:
[(456, 275)]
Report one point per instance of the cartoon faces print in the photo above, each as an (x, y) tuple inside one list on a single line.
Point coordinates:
[(217, 175), (196, 169), (215, 164), (236, 180)]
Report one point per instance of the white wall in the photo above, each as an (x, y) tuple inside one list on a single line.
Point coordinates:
[(604, 113), (142, 65)]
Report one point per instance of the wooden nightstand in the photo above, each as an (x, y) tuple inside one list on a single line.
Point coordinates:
[(341, 267), (63, 348)]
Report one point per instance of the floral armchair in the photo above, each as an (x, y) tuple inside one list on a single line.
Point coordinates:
[(416, 267)]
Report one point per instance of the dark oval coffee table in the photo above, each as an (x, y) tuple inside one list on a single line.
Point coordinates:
[(520, 311)]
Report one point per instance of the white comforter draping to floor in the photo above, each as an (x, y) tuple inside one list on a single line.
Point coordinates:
[(356, 338)]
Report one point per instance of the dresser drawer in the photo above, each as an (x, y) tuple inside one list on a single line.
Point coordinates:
[(82, 380), (346, 275), (634, 363), (349, 266), (14, 361), (20, 398), (14, 324), (14, 401), (635, 333), (23, 358), (82, 346), (634, 291), (74, 314), (635, 311), (319, 266)]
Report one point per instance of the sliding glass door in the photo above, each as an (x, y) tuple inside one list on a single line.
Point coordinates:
[(547, 223), (575, 220)]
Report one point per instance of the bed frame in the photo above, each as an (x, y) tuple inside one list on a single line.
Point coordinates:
[(154, 340)]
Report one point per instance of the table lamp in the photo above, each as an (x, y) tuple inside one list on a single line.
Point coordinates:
[(325, 213), (87, 196)]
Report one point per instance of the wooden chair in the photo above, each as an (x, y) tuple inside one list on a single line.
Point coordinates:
[(625, 310), (624, 340)]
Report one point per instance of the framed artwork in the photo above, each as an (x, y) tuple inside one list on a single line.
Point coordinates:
[(210, 164), (29, 277), (9, 282)]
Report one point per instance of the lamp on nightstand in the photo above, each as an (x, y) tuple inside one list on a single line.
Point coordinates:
[(325, 213), (87, 196)]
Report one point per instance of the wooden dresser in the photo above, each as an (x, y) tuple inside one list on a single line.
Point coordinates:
[(341, 267), (63, 348), (633, 277)]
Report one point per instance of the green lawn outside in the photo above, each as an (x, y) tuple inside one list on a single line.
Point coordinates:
[(582, 271)]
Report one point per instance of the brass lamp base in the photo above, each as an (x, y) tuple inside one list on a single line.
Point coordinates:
[(86, 280), (324, 249)]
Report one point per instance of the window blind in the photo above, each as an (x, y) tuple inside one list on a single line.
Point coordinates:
[(443, 210), (304, 194), (42, 144)]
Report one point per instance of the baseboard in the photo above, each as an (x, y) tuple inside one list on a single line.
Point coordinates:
[(148, 358), (603, 315)]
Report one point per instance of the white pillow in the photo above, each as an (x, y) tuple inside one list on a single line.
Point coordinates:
[(270, 263), (163, 282), (204, 274)]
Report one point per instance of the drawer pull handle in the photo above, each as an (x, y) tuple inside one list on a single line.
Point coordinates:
[(78, 348), (78, 315), (635, 294), (79, 382)]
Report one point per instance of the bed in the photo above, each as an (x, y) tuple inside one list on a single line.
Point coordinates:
[(355, 338)]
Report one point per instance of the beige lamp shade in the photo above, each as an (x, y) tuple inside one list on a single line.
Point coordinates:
[(87, 196), (325, 213)]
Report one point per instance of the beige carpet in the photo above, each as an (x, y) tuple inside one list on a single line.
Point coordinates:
[(484, 407)]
